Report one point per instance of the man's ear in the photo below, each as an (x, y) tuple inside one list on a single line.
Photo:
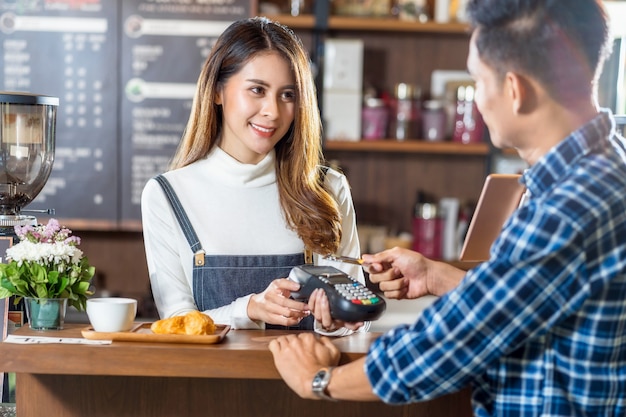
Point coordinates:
[(521, 91)]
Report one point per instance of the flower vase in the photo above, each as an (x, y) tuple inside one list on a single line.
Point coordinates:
[(46, 313)]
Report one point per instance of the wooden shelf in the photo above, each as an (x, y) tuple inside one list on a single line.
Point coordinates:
[(509, 152), (410, 146), (371, 24)]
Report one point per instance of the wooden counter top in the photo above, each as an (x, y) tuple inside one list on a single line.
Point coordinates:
[(242, 354), (235, 377)]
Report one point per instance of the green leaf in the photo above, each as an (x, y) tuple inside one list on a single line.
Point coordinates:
[(7, 285), (53, 277), (82, 287), (42, 292), (4, 293), (63, 283)]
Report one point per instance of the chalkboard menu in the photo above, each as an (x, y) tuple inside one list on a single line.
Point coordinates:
[(125, 73)]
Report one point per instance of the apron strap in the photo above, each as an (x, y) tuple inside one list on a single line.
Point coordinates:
[(183, 220)]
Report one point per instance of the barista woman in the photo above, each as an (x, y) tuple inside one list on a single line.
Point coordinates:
[(246, 195)]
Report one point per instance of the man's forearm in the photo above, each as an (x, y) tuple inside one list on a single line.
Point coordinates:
[(443, 278), (349, 382)]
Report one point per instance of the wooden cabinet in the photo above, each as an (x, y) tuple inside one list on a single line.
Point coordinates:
[(386, 175)]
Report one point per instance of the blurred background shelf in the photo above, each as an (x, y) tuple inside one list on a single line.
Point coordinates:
[(371, 24), (409, 146)]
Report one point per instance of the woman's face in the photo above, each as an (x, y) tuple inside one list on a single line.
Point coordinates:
[(258, 107)]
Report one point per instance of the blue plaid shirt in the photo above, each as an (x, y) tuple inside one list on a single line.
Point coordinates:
[(539, 329)]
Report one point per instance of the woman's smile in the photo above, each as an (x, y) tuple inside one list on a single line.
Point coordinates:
[(266, 132)]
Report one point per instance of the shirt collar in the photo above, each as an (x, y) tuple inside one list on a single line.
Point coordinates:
[(589, 138)]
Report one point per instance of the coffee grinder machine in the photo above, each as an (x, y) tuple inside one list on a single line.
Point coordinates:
[(27, 140), (27, 137)]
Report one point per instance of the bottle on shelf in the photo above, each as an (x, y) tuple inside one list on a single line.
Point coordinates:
[(442, 11), (406, 117), (434, 120), (468, 123), (427, 227), (375, 117)]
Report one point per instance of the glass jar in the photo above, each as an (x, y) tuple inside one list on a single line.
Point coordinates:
[(468, 124), (411, 10), (427, 230), (374, 119), (434, 120), (407, 115)]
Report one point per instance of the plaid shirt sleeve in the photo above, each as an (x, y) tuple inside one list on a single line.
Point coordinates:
[(554, 287)]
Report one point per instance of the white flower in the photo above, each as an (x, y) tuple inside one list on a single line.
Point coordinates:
[(44, 253)]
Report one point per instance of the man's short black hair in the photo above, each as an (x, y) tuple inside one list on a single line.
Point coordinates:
[(561, 43)]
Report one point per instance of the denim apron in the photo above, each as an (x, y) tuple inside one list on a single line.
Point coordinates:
[(220, 279)]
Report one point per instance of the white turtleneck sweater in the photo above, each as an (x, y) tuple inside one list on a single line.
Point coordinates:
[(235, 210)]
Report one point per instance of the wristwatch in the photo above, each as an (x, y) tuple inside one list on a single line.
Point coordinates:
[(320, 383)]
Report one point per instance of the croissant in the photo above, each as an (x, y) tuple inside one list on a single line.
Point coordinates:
[(192, 323), (197, 323)]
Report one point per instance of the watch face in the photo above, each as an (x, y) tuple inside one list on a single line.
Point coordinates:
[(318, 380), (320, 383)]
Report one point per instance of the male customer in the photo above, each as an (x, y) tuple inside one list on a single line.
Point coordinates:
[(540, 328)]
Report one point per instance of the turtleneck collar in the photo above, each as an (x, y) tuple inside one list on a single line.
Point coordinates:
[(231, 172)]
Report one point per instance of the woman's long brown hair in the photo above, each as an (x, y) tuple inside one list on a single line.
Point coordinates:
[(308, 207)]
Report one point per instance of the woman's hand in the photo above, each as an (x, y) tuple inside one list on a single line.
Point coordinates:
[(274, 306), (320, 307)]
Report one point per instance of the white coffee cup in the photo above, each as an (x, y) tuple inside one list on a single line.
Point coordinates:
[(111, 314)]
